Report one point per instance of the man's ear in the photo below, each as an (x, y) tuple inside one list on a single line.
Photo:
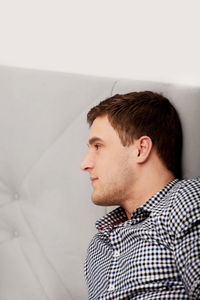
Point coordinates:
[(144, 146)]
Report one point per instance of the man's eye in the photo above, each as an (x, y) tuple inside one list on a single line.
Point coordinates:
[(97, 146)]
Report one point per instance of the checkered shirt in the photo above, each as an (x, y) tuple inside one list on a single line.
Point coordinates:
[(155, 255)]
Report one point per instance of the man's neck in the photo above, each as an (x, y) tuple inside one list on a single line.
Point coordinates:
[(145, 189)]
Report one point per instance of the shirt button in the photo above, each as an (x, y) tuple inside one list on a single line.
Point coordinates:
[(111, 287), (116, 253)]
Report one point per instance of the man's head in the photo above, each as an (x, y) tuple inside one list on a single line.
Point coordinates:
[(128, 134), (145, 113)]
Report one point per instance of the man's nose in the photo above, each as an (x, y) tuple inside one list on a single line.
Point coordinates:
[(87, 163)]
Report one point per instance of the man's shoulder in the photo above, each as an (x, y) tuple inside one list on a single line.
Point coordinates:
[(184, 193), (187, 191), (191, 182), (185, 204)]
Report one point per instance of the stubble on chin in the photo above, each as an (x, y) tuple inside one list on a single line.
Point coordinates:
[(111, 198)]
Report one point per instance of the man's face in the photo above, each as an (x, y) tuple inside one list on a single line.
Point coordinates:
[(111, 165)]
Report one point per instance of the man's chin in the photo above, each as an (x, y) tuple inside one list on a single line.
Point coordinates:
[(100, 201), (97, 200)]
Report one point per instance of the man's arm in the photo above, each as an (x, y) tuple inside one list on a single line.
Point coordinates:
[(185, 222)]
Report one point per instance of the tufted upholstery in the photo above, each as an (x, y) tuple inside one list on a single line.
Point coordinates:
[(46, 216)]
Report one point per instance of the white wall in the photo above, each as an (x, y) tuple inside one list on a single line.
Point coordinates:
[(151, 39)]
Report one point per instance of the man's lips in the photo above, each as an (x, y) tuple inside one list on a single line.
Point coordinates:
[(93, 179)]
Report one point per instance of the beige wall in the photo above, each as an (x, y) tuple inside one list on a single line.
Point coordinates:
[(153, 40)]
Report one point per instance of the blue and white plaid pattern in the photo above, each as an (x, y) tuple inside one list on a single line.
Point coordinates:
[(155, 255)]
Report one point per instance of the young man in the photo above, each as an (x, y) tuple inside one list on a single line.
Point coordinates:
[(149, 247)]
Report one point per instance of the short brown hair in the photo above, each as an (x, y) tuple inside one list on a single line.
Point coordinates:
[(145, 113)]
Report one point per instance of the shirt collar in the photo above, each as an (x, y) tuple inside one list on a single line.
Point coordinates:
[(118, 215), (152, 203), (115, 217)]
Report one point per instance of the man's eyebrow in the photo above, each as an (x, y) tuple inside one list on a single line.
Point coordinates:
[(94, 140)]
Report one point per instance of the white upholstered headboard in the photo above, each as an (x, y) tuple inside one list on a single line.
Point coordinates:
[(46, 216)]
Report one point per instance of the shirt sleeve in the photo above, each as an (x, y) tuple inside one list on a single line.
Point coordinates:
[(185, 225)]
